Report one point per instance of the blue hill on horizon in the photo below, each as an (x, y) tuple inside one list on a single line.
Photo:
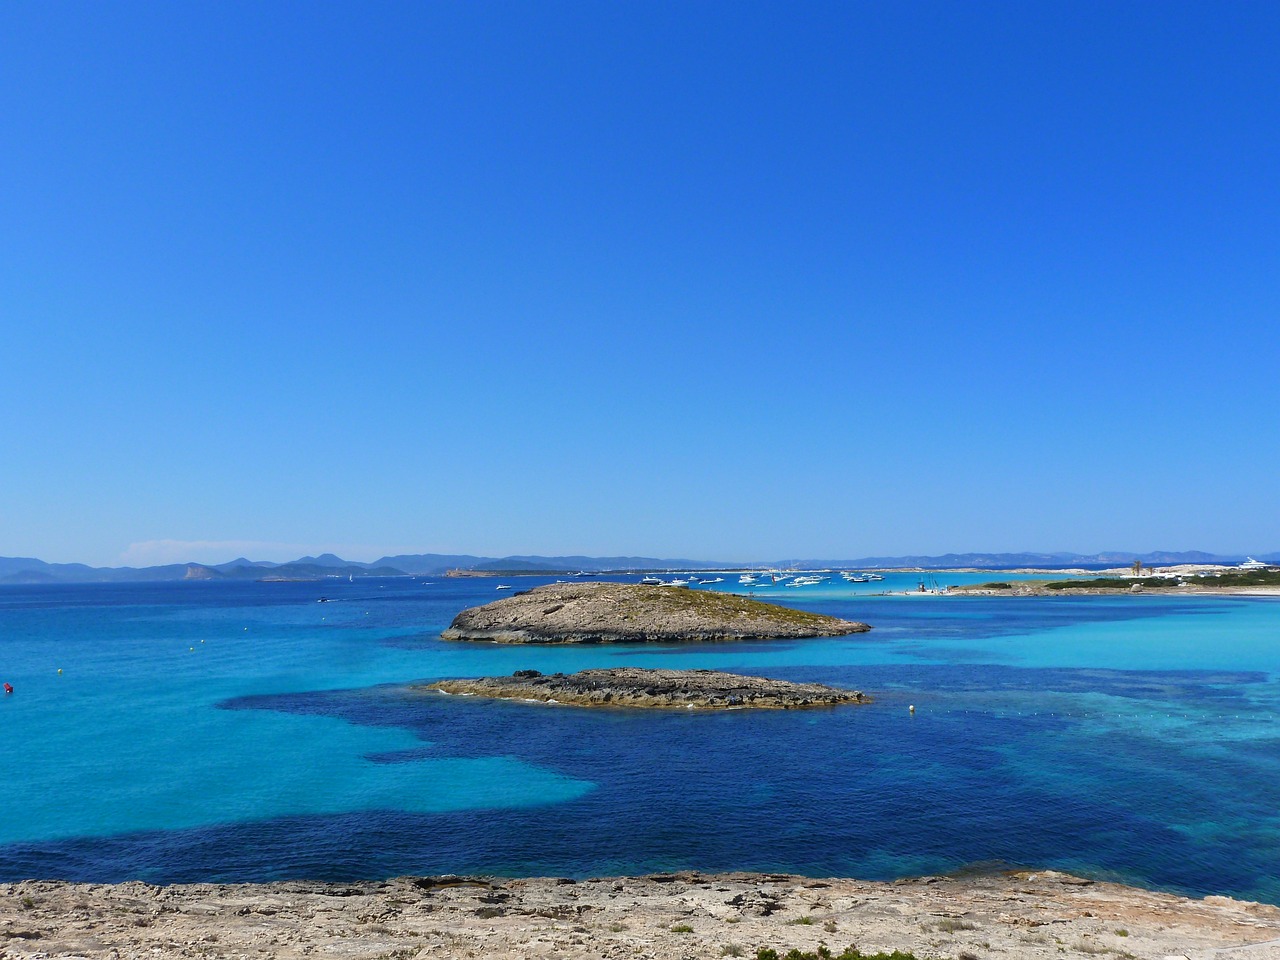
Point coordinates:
[(31, 570)]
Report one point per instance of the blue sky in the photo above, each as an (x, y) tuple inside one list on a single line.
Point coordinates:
[(729, 280)]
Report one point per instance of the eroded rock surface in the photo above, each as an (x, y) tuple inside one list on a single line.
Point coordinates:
[(635, 613), (1029, 916), (636, 687)]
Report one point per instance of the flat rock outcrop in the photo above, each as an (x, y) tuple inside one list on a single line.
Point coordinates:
[(661, 689), (1023, 915), (636, 613)]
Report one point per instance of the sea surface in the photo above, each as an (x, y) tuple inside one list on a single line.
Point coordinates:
[(213, 731)]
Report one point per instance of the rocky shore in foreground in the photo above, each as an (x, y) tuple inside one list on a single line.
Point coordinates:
[(652, 689), (637, 613), (1037, 916)]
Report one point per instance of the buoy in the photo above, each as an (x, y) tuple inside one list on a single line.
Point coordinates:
[(59, 671), (192, 649), (911, 708), (8, 688)]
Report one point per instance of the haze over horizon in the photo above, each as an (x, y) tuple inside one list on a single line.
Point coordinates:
[(214, 554), (730, 280)]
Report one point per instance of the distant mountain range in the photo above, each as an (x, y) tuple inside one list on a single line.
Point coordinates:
[(31, 570)]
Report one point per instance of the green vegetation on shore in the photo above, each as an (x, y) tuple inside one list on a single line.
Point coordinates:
[(725, 606), (823, 953), (1114, 583), (1242, 578)]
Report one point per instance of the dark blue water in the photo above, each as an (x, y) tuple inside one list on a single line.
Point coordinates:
[(245, 732)]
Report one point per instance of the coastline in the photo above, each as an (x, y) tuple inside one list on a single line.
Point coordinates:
[(1027, 914), (1153, 582), (1037, 588)]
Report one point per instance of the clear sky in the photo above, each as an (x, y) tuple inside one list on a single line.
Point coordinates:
[(719, 280)]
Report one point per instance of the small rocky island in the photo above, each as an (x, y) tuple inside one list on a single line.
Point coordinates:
[(637, 613), (662, 689)]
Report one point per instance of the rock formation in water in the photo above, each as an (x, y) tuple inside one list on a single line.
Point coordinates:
[(636, 613), (635, 687)]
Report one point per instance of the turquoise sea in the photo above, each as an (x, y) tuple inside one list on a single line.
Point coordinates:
[(243, 731)]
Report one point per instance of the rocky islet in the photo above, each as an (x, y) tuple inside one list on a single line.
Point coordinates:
[(653, 689), (637, 613)]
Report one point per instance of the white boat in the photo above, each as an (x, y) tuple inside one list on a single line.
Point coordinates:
[(503, 586), (652, 581), (1252, 564), (930, 588), (806, 581)]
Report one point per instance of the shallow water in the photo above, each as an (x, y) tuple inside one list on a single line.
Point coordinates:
[(214, 731)]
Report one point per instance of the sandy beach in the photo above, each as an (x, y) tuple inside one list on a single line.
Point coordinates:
[(685, 915)]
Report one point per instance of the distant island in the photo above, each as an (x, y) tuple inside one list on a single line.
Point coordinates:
[(636, 613), (29, 570), (653, 689)]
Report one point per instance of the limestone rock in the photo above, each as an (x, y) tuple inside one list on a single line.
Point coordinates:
[(636, 613), (636, 687)]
